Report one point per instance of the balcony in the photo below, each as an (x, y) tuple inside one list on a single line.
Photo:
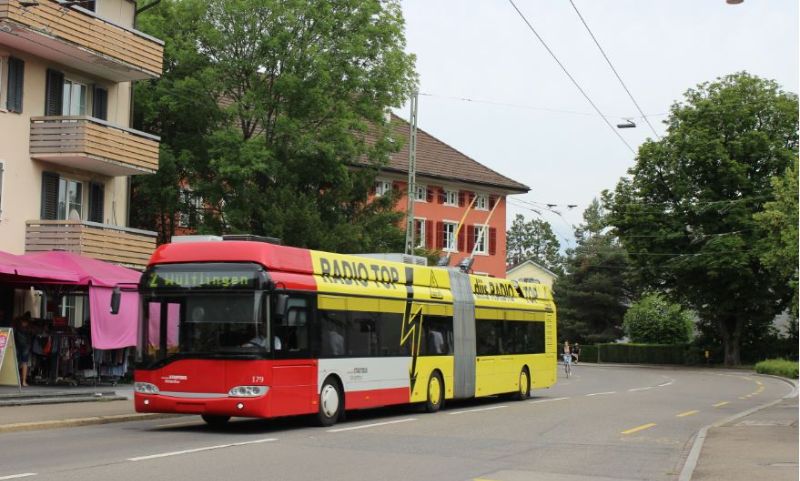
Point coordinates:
[(93, 145), (120, 245), (78, 38)]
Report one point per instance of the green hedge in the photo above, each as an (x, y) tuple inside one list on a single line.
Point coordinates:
[(638, 353), (778, 367), (588, 354)]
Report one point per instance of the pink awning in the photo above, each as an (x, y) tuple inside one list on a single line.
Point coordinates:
[(33, 270), (88, 271), (109, 331)]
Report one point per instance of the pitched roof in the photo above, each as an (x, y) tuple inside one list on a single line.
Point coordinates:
[(511, 269), (438, 160)]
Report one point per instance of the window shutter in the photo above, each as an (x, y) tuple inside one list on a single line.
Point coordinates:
[(462, 198), (397, 187), (492, 241), (429, 234), (492, 201), (49, 196), (471, 238), (429, 193), (100, 103), (54, 93), (96, 197), (440, 235), (462, 244), (16, 79), (470, 196)]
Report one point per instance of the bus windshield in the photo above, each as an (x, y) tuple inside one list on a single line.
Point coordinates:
[(209, 320)]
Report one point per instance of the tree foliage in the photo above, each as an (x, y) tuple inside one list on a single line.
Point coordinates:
[(593, 292), (778, 248), (533, 240), (654, 320), (292, 88), (686, 213)]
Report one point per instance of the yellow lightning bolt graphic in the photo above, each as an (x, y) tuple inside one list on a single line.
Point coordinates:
[(412, 328)]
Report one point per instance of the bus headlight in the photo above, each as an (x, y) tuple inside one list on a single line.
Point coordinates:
[(248, 391), (145, 388)]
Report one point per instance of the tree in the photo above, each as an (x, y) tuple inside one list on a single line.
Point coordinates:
[(778, 247), (685, 214), (295, 87), (182, 108), (532, 240), (655, 320), (593, 293)]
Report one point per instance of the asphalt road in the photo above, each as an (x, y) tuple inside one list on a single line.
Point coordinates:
[(620, 423)]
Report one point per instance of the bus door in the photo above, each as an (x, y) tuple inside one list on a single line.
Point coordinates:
[(294, 382)]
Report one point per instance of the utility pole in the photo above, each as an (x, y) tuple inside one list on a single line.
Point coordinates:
[(412, 174)]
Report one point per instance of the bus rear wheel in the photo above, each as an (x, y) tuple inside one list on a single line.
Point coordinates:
[(524, 385), (330, 403), (435, 393), (215, 421)]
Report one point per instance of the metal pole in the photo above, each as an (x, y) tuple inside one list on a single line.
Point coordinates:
[(412, 174)]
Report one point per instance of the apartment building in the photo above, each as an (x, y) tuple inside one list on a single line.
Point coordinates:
[(451, 186), (66, 147)]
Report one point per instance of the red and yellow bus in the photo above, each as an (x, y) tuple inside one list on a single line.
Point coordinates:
[(254, 329)]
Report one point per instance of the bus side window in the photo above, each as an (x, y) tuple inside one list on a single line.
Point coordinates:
[(290, 328)]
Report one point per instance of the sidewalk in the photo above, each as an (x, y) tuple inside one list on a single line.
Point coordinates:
[(42, 407), (763, 445)]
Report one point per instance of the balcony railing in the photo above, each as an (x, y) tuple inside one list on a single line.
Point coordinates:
[(78, 38), (93, 145), (120, 245)]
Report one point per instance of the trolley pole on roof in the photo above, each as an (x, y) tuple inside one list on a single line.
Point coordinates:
[(412, 174)]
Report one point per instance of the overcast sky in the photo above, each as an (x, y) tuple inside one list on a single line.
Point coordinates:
[(552, 141)]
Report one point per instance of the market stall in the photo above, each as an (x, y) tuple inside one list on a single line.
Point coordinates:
[(65, 298)]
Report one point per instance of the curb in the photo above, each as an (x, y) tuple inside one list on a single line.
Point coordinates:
[(694, 454), (75, 422)]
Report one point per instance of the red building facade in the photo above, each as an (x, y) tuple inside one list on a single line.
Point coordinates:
[(450, 184)]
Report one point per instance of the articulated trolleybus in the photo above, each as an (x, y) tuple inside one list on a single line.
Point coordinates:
[(254, 329)]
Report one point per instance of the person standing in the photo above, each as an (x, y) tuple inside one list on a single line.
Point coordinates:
[(23, 341), (576, 352)]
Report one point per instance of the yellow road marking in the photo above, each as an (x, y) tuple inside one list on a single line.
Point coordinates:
[(742, 397), (687, 413), (759, 383), (638, 428), (721, 404)]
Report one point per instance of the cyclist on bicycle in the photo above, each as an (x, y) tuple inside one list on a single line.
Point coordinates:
[(567, 354)]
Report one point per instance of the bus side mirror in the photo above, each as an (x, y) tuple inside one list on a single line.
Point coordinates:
[(116, 297), (280, 304)]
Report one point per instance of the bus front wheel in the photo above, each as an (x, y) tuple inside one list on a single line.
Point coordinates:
[(215, 421), (435, 393), (330, 403)]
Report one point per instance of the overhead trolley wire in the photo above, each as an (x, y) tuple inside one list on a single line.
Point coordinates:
[(528, 107), (596, 42), (575, 82)]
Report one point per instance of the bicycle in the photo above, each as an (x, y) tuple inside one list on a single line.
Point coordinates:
[(568, 365)]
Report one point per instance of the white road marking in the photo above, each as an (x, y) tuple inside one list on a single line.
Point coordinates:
[(16, 476), (539, 401), (197, 450), (666, 383), (601, 393), (364, 426), (640, 389), (477, 410)]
